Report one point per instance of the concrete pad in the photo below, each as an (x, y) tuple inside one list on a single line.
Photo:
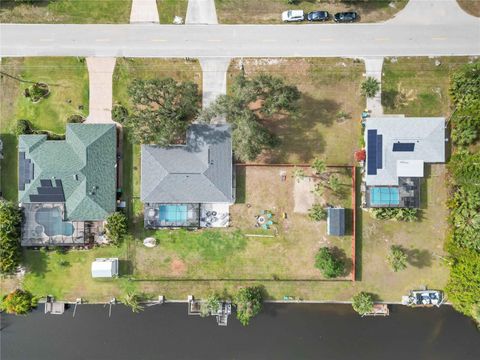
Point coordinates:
[(303, 196), (144, 11), (100, 72), (214, 78), (201, 12), (373, 67), (431, 12)]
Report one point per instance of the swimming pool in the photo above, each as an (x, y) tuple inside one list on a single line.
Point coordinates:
[(173, 213), (384, 196), (52, 222)]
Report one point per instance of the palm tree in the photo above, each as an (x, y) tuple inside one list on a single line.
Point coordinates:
[(370, 87)]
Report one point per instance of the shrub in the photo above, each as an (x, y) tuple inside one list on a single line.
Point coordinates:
[(397, 258), (132, 300), (75, 119), (328, 263), (210, 306), (24, 127), (399, 214), (317, 213), (10, 249), (18, 302), (37, 91), (249, 303), (319, 166), (370, 87), (299, 174), (465, 85), (116, 227), (362, 303), (119, 113)]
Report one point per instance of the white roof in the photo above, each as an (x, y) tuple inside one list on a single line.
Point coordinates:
[(427, 135), (410, 168), (105, 268)]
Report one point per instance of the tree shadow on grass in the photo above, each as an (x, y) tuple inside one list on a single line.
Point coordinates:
[(297, 134), (342, 256), (125, 267), (36, 262), (419, 258), (240, 182)]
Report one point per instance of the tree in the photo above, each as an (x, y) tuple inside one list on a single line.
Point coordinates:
[(249, 103), (319, 166), (463, 286), (162, 110), (398, 214), (370, 87), (119, 113), (24, 127), (317, 213), (249, 303), (116, 227), (362, 303), (397, 258), (37, 91), (299, 174), (210, 306), (334, 184), (328, 263), (10, 249), (465, 85), (18, 302), (132, 300)]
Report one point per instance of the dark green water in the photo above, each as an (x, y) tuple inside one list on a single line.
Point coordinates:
[(297, 331)]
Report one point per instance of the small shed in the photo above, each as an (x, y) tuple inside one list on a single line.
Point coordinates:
[(336, 221), (105, 268)]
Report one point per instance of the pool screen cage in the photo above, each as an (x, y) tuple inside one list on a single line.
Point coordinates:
[(35, 234), (171, 215)]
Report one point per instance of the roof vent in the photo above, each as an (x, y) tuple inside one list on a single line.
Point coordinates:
[(75, 177)]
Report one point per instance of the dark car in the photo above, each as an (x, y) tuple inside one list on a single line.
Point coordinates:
[(346, 16), (318, 16)]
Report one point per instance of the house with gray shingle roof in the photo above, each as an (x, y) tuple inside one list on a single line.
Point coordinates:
[(189, 185), (397, 149), (64, 184)]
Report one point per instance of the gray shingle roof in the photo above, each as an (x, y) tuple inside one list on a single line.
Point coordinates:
[(84, 162), (199, 172), (428, 135), (336, 221)]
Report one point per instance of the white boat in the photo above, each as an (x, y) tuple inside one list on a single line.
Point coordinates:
[(425, 298)]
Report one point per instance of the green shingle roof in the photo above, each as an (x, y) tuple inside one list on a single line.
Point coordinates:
[(84, 162)]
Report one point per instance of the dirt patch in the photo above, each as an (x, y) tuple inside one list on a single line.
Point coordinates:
[(303, 195), (178, 267)]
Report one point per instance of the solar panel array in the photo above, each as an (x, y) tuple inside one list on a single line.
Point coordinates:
[(372, 152), (25, 171), (48, 193), (398, 146)]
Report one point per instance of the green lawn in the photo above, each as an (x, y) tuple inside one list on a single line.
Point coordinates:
[(269, 11), (66, 11), (168, 9), (47, 276), (328, 86), (68, 82), (417, 86)]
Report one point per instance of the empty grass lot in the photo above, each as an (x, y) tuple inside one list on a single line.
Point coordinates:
[(417, 87), (269, 11), (168, 9), (470, 6), (284, 252), (328, 86), (66, 11), (68, 82)]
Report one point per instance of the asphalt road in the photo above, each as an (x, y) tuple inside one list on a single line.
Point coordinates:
[(151, 40)]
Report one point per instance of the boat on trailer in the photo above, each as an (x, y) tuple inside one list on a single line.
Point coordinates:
[(424, 298)]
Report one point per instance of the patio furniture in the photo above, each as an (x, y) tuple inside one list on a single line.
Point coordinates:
[(265, 226), (269, 215), (214, 213), (261, 220), (270, 223), (262, 212)]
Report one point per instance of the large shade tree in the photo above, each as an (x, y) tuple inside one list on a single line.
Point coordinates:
[(249, 103), (162, 110)]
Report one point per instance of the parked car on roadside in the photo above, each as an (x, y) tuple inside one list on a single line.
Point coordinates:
[(345, 17), (318, 16), (293, 15)]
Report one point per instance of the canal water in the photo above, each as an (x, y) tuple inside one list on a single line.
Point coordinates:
[(296, 331)]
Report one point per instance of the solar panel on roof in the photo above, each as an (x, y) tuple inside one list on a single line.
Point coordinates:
[(398, 146), (372, 152), (379, 151)]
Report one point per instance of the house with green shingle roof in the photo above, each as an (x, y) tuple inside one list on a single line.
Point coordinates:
[(77, 174)]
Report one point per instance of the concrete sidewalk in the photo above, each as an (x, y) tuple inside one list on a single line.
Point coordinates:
[(144, 11), (373, 67), (100, 72), (201, 12)]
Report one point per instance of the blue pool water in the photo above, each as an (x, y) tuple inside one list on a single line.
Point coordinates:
[(384, 196), (173, 213), (52, 222)]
